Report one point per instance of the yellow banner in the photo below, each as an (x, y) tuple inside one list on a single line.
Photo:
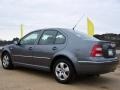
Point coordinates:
[(21, 30), (90, 27)]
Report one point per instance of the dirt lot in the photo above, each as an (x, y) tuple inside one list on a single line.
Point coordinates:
[(26, 79)]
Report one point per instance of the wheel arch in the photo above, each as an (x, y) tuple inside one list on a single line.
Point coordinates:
[(5, 51), (10, 65), (59, 57)]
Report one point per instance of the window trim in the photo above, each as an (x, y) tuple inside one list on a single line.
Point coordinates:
[(28, 35), (42, 35), (64, 37), (38, 43)]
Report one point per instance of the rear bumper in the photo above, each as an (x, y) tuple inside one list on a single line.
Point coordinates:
[(90, 67)]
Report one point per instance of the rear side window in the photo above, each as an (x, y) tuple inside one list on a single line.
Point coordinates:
[(48, 37), (60, 39)]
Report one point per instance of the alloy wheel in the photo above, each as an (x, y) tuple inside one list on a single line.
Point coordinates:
[(5, 61), (62, 71)]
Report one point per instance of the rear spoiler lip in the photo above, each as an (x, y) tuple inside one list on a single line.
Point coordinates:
[(113, 44), (105, 41)]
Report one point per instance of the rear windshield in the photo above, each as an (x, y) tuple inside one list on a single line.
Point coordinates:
[(85, 36)]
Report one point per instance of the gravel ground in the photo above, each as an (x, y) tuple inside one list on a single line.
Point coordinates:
[(27, 79)]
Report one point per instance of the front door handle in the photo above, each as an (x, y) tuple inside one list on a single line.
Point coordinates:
[(30, 48), (54, 48)]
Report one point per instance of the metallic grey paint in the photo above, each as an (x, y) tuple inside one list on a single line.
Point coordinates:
[(75, 48)]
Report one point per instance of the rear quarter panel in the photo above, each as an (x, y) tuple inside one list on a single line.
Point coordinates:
[(81, 48)]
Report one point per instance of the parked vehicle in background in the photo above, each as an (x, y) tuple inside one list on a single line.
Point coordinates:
[(64, 52)]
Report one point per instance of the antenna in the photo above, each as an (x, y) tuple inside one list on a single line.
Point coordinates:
[(78, 21)]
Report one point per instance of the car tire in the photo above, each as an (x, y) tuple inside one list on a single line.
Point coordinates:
[(6, 61), (64, 71)]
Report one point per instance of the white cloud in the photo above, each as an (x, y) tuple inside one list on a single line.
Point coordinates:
[(36, 14)]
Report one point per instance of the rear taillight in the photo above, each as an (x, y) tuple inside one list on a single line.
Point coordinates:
[(96, 51)]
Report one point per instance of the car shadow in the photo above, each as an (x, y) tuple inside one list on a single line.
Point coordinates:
[(101, 82), (93, 79), (87, 80), (34, 72)]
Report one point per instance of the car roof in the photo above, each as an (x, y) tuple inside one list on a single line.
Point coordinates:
[(59, 29)]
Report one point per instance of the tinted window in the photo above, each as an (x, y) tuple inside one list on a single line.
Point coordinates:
[(48, 37), (30, 39), (60, 39)]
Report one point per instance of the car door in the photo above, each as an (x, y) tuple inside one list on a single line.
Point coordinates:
[(23, 51), (50, 42)]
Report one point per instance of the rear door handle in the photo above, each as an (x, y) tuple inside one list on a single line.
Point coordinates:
[(54, 48), (30, 48)]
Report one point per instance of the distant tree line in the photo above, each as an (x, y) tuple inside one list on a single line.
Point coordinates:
[(5, 42), (110, 37), (107, 37)]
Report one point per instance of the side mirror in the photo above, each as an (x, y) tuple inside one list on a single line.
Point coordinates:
[(15, 42)]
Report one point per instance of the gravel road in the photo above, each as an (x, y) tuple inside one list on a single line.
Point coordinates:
[(26, 79)]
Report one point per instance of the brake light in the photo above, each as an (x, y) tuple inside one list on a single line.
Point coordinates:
[(96, 51)]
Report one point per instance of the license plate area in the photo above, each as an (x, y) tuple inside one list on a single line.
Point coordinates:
[(110, 52)]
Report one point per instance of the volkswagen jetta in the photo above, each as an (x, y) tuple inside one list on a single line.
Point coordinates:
[(64, 52)]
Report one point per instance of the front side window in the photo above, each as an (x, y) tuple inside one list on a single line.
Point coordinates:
[(60, 39), (30, 39), (48, 37)]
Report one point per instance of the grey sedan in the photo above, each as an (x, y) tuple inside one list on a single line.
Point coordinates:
[(64, 52)]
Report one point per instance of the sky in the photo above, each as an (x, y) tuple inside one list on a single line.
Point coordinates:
[(38, 14)]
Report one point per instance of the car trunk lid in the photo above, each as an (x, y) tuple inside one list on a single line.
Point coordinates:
[(108, 49)]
